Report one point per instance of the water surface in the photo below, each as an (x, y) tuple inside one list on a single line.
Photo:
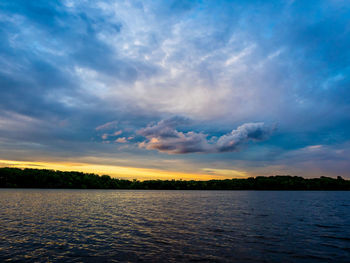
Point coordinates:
[(174, 226)]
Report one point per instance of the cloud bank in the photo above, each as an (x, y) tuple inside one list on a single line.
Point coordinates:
[(164, 137)]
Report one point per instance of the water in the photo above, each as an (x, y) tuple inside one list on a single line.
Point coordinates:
[(173, 226)]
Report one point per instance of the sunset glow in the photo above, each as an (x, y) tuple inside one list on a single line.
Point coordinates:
[(126, 172)]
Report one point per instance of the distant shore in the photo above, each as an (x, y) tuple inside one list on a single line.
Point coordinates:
[(40, 178)]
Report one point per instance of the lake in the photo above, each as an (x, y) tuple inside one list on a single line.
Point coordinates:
[(39, 225)]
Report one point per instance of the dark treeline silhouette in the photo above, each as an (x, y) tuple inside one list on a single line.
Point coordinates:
[(38, 178)]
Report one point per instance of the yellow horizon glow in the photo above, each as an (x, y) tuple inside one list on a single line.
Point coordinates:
[(126, 172)]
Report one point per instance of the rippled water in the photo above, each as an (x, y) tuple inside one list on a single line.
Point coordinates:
[(173, 226)]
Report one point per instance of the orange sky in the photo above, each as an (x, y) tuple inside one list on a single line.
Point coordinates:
[(128, 172)]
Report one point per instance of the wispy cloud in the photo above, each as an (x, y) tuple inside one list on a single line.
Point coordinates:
[(108, 125)]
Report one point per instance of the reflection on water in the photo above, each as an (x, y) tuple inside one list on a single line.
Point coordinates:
[(173, 226)]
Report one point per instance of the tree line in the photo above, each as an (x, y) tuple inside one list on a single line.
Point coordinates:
[(41, 178)]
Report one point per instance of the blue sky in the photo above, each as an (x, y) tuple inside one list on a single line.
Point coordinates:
[(207, 87)]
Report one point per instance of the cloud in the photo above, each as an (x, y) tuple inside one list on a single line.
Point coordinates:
[(121, 140), (164, 128), (248, 131), (117, 133), (109, 125), (106, 126), (164, 137)]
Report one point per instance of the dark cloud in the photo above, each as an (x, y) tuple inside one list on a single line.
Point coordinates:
[(164, 137), (164, 128)]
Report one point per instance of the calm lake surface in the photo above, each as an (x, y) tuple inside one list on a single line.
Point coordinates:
[(174, 226)]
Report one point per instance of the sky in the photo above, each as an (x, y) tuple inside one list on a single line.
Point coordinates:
[(176, 89)]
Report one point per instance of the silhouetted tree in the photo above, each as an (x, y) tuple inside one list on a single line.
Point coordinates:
[(37, 178)]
